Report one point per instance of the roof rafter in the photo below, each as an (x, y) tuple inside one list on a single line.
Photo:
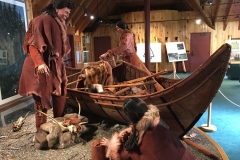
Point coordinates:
[(100, 13), (80, 16), (216, 12), (198, 8), (229, 7), (38, 5), (74, 13), (81, 25)]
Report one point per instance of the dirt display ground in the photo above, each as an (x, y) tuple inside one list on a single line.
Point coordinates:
[(19, 145)]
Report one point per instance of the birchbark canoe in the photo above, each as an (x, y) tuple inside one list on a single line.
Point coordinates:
[(181, 103)]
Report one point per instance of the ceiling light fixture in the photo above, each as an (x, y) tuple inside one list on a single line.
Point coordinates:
[(210, 2), (91, 17), (85, 13), (198, 21)]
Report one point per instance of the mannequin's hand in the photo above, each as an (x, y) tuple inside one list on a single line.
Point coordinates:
[(43, 68), (106, 55)]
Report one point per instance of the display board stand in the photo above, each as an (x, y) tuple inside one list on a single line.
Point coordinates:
[(184, 67), (209, 127), (156, 67), (174, 74)]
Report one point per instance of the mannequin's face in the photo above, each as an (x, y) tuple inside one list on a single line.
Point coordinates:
[(63, 13), (119, 30)]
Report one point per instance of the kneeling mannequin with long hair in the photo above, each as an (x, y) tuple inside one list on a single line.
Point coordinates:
[(148, 137)]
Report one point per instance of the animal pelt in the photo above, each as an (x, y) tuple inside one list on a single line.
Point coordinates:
[(150, 119), (47, 136), (65, 139), (113, 147), (51, 135), (108, 56), (97, 73), (40, 139)]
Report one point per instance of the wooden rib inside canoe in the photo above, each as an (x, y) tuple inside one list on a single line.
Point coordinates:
[(181, 103)]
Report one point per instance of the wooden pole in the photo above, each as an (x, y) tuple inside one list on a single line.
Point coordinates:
[(147, 33), (174, 70), (183, 65), (203, 150), (156, 67)]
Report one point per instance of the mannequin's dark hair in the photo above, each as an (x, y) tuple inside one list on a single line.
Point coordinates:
[(122, 25), (135, 109), (57, 4)]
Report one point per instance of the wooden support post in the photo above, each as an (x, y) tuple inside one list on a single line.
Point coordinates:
[(183, 65), (29, 10), (174, 70), (156, 67)]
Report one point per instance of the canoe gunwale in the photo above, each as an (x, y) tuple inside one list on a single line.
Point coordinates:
[(149, 96), (210, 76)]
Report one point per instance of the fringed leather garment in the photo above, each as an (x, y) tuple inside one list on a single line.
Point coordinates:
[(44, 42)]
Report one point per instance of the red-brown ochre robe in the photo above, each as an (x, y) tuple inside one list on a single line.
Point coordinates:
[(44, 43), (127, 49)]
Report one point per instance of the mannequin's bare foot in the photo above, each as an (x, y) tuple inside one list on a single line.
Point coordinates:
[(104, 141)]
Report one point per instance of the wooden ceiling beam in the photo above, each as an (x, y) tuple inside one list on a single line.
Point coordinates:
[(84, 19), (229, 7), (103, 11), (141, 2), (80, 16), (216, 12), (198, 8), (75, 12), (105, 3), (38, 5)]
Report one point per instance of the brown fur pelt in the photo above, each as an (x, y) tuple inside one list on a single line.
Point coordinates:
[(98, 73), (108, 56), (50, 134)]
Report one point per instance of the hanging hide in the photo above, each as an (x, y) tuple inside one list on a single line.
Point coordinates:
[(97, 73)]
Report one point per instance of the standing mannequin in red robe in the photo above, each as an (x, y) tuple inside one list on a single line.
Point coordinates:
[(128, 49), (127, 45), (43, 73)]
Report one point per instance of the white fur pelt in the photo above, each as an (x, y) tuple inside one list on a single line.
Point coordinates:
[(150, 119)]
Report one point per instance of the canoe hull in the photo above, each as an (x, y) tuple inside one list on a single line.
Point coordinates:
[(181, 103)]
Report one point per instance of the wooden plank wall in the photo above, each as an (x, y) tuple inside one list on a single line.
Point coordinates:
[(163, 23), (169, 24)]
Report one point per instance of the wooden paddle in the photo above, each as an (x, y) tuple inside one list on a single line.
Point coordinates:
[(125, 85), (206, 152), (146, 77), (130, 84), (157, 85)]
